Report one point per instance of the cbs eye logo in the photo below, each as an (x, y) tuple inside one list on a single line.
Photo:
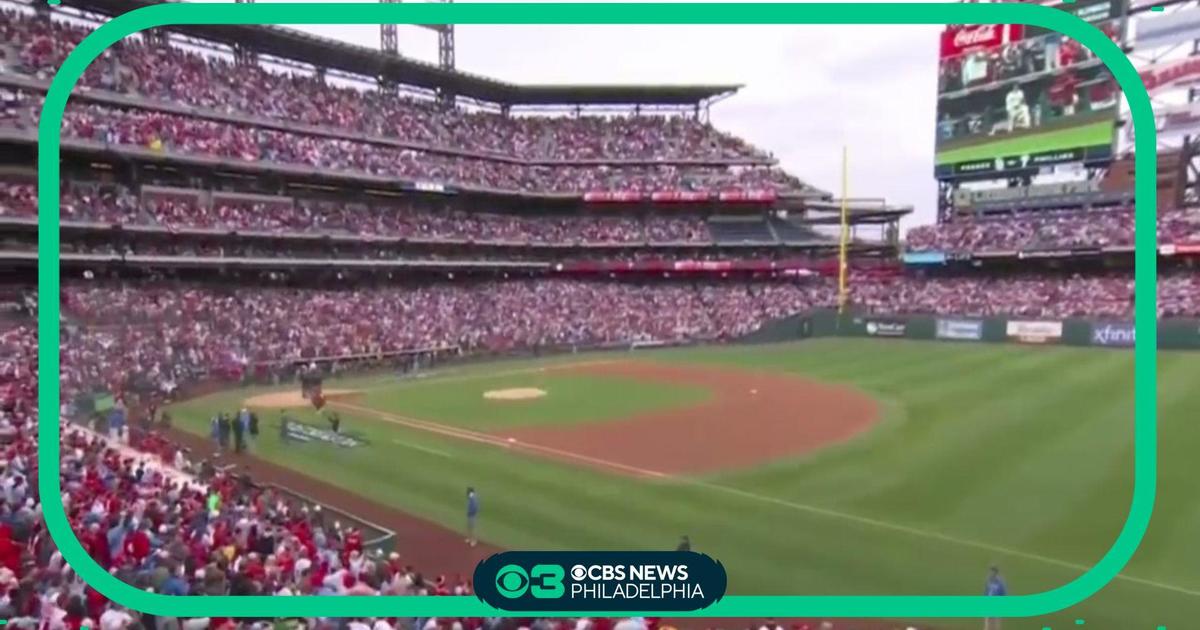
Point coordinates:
[(512, 581), (543, 581)]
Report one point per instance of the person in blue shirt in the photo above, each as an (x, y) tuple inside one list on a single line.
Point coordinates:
[(244, 420), (116, 534), (995, 588), (472, 512), (175, 585), (214, 431)]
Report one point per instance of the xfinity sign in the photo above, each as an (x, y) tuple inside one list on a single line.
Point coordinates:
[(1116, 334)]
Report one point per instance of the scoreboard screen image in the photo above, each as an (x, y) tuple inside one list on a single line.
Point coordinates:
[(1012, 97)]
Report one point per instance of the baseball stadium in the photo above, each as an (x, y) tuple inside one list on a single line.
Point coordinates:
[(314, 290)]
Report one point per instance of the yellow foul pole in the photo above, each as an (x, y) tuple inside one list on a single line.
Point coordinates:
[(842, 266)]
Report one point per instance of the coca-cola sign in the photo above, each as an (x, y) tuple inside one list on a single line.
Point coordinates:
[(959, 39), (981, 35)]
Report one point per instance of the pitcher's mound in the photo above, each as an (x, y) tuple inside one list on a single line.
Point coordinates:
[(516, 393), (285, 400)]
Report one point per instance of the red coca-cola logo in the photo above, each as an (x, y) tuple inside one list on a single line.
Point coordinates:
[(979, 35), (959, 39)]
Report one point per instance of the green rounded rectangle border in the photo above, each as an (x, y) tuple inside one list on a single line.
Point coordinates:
[(1145, 292)]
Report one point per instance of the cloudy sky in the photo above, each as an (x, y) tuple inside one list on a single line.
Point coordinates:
[(809, 90)]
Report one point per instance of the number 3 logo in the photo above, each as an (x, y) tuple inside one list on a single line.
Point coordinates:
[(546, 581)]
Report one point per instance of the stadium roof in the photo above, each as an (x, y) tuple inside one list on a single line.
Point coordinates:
[(328, 53)]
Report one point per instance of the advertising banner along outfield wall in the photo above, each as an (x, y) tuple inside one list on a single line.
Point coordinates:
[(960, 329), (1179, 334), (1118, 334), (1034, 331), (1173, 334), (886, 327)]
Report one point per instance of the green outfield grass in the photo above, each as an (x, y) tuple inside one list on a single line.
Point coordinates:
[(1003, 454), (1089, 135)]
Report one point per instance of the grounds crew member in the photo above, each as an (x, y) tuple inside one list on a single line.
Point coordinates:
[(472, 512), (239, 435), (283, 426), (224, 428), (995, 588), (253, 426)]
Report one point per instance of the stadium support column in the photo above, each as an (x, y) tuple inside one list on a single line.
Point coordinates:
[(388, 40), (891, 233), (946, 210), (446, 47), (446, 61), (1190, 150), (242, 55), (389, 43)]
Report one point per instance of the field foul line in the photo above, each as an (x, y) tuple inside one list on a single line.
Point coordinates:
[(932, 535), (423, 449), (447, 376), (493, 440), (485, 438)]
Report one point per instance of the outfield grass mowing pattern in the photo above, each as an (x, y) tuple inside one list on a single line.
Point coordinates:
[(986, 448)]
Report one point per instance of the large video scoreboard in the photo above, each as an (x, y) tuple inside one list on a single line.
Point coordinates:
[(1016, 97)]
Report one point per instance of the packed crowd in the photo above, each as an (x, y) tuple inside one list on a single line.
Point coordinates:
[(411, 138), (154, 525), (162, 71), (451, 224), (114, 205), (293, 252), (172, 334), (186, 135), (1051, 230), (165, 524), (1032, 296)]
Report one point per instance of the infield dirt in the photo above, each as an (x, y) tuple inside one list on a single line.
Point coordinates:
[(751, 418), (293, 399)]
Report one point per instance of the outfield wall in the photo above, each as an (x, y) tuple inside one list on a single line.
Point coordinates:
[(1108, 333)]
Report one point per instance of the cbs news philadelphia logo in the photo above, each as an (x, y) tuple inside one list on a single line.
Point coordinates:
[(600, 580)]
